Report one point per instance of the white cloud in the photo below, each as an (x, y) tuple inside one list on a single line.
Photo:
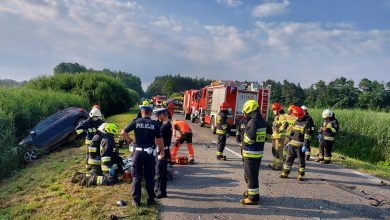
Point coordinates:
[(270, 8), (170, 23), (230, 3), (123, 36)]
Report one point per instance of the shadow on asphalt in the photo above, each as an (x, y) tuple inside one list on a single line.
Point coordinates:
[(281, 206)]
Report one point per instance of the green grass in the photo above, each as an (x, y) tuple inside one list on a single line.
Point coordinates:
[(43, 189)]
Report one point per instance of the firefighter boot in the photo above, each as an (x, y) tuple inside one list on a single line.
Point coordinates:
[(192, 161), (300, 177), (84, 179), (91, 181), (221, 157), (319, 160), (77, 177), (284, 175), (325, 161), (307, 154), (247, 201), (245, 194)]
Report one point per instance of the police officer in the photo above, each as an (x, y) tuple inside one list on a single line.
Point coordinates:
[(90, 126), (253, 147), (147, 133), (312, 127), (222, 129), (162, 162)]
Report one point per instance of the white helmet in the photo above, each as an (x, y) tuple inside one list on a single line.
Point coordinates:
[(95, 112), (304, 108), (102, 128), (327, 113)]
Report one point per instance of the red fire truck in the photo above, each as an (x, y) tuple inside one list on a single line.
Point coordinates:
[(236, 94), (191, 104), (158, 99)]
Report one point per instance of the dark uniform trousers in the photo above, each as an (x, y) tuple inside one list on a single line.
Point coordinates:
[(221, 142), (325, 150), (295, 152), (251, 175), (144, 164)]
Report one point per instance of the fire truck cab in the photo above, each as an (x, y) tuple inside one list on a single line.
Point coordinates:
[(235, 94)]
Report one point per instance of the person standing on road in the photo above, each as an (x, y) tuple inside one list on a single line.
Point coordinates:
[(290, 120), (90, 126), (147, 135), (253, 148), (327, 133), (185, 135), (162, 162), (312, 126), (299, 136), (222, 129), (279, 127)]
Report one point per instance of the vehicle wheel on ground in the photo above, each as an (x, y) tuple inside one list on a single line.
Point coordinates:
[(187, 116), (30, 155), (213, 125), (201, 123), (192, 118)]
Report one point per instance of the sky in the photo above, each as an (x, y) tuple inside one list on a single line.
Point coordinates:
[(303, 41)]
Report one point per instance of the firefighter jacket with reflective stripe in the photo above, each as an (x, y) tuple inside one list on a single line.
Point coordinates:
[(222, 125), (279, 126), (254, 136), (108, 153), (300, 133), (181, 126), (90, 127), (330, 129), (290, 120), (240, 129), (94, 149), (311, 123)]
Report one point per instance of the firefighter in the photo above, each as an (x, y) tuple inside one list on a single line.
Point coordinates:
[(253, 147), (297, 144), (279, 127), (90, 126), (290, 121), (185, 135), (171, 108), (312, 127), (222, 129), (162, 162), (327, 133), (147, 136), (93, 155)]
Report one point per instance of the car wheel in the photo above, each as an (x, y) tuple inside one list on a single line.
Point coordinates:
[(30, 155), (192, 118)]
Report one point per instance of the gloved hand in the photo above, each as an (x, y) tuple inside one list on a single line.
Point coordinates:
[(287, 146), (111, 171), (304, 149)]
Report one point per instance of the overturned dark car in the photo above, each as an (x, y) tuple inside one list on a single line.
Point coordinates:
[(53, 131)]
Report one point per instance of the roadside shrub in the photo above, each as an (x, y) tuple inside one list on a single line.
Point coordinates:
[(99, 88)]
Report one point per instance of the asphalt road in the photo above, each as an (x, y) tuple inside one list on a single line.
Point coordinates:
[(212, 189)]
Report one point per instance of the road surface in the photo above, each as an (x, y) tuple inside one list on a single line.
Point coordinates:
[(212, 189)]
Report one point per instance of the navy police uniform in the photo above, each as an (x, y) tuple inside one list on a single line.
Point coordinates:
[(162, 164), (146, 131)]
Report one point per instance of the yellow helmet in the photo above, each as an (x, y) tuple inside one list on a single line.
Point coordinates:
[(111, 128), (250, 106), (145, 103)]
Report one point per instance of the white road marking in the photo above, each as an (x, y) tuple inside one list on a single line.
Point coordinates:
[(231, 151)]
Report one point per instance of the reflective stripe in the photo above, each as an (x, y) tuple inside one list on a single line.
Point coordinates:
[(224, 126), (248, 140), (88, 142), (307, 137), (252, 154), (93, 161), (99, 180), (333, 130), (278, 135), (260, 135), (328, 138), (301, 170), (286, 167), (295, 143), (79, 131), (92, 149), (327, 158), (219, 131), (219, 153), (253, 192), (106, 159), (105, 168), (91, 130)]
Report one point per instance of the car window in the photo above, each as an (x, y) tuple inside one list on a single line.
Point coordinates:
[(48, 121)]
